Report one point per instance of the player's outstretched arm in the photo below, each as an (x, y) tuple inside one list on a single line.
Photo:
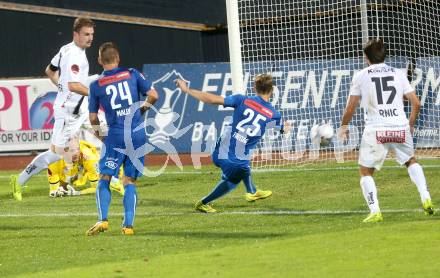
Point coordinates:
[(78, 88), (352, 103), (415, 109), (53, 74), (152, 97), (202, 96)]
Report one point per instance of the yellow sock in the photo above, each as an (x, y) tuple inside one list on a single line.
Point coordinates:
[(93, 184), (54, 186), (89, 190)]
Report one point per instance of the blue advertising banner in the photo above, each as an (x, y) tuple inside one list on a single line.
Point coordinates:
[(426, 80), (307, 93)]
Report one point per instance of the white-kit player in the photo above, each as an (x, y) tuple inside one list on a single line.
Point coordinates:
[(382, 90), (68, 70)]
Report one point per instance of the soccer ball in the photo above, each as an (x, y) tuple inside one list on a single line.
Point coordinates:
[(326, 134)]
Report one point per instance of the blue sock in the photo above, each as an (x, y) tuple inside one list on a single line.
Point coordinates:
[(250, 187), (130, 200), (222, 188), (103, 199)]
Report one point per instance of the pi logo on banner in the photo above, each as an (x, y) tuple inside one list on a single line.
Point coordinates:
[(165, 123), (41, 111)]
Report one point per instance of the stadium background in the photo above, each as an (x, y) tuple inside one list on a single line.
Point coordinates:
[(310, 227), (146, 44), (189, 32), (139, 44)]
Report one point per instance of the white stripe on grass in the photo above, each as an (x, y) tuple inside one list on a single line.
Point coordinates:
[(226, 213), (263, 170), (342, 168)]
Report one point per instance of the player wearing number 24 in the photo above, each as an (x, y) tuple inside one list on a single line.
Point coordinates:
[(253, 115), (382, 90), (118, 91)]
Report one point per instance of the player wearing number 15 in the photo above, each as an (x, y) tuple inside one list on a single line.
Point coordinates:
[(252, 116), (382, 90), (118, 91)]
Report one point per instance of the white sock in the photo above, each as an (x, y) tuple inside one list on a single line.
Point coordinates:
[(370, 193), (39, 163), (415, 172)]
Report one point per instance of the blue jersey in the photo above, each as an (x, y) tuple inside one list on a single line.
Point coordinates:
[(252, 115), (115, 91)]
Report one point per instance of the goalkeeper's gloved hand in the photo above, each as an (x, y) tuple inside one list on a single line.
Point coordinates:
[(59, 192)]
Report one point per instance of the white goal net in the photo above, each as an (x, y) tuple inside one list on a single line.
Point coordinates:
[(313, 48)]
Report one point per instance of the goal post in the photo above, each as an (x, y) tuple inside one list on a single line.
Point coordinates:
[(313, 48), (235, 46)]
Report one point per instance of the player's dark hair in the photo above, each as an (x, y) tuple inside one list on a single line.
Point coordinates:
[(108, 53), (81, 22), (375, 51), (263, 84)]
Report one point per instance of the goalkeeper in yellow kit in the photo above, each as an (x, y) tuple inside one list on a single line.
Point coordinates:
[(64, 179)]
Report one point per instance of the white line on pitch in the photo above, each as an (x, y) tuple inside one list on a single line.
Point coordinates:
[(268, 212), (258, 170), (343, 168)]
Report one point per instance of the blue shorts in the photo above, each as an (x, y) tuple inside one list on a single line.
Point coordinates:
[(113, 156), (232, 171)]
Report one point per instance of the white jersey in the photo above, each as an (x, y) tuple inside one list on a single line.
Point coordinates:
[(73, 66), (382, 88)]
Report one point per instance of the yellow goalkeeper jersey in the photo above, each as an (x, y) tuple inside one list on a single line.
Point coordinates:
[(83, 170)]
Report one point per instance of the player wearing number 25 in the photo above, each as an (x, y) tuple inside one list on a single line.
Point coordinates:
[(118, 91), (252, 116), (382, 90)]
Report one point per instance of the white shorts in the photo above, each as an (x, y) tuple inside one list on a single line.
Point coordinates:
[(376, 142), (66, 126)]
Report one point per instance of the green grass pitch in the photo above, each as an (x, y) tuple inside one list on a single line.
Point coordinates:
[(310, 227)]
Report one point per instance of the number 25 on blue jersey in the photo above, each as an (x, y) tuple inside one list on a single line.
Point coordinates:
[(251, 130)]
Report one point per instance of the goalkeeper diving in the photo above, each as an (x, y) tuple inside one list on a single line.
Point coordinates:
[(82, 176)]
